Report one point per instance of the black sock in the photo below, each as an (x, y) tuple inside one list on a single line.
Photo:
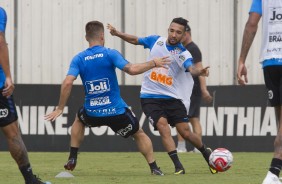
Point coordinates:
[(202, 149), (275, 167), (73, 152), (27, 172), (174, 157), (206, 153), (153, 165)]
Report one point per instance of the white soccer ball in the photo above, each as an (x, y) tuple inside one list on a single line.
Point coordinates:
[(221, 159)]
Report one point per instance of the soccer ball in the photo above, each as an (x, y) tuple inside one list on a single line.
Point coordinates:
[(221, 159)]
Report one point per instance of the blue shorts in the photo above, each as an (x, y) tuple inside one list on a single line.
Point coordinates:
[(124, 124)]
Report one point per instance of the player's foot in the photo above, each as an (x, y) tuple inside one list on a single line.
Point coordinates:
[(179, 171), (37, 180), (157, 171), (70, 165), (181, 150), (271, 179), (206, 155)]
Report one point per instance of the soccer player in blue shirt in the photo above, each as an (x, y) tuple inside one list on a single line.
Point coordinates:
[(103, 105), (9, 118), (271, 59)]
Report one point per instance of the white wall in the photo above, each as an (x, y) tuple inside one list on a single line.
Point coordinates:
[(51, 32)]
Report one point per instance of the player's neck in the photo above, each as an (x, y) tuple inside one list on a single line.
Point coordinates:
[(96, 43), (187, 41)]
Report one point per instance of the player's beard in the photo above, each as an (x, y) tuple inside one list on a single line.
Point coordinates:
[(173, 41)]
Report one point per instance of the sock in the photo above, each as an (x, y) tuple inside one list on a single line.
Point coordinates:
[(153, 165), (181, 145), (174, 157), (275, 167), (206, 154), (73, 152), (202, 149), (27, 173)]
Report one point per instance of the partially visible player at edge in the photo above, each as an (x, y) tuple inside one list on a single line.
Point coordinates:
[(199, 91), (165, 93), (103, 106), (9, 123), (271, 60)]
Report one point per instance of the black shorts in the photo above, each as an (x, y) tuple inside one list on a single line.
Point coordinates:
[(194, 110), (171, 109), (8, 112), (124, 124), (273, 82)]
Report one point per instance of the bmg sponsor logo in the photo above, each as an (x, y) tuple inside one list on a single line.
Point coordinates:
[(98, 86)]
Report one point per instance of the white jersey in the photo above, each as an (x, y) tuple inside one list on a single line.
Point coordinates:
[(175, 81), (271, 29)]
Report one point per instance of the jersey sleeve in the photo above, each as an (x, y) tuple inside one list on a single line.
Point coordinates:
[(256, 7), (185, 59), (3, 20), (117, 59), (74, 67), (148, 42)]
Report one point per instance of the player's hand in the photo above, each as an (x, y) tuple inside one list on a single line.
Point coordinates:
[(162, 62), (53, 115), (206, 96), (112, 29), (205, 72), (9, 87), (242, 74)]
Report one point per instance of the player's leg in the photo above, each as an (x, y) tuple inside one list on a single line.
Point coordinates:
[(185, 131), (145, 147), (197, 129), (77, 136), (15, 143), (273, 82), (169, 144), (153, 108)]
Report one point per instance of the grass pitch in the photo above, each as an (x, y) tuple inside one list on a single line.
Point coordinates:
[(131, 167)]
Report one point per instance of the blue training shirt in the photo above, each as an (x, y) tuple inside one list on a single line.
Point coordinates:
[(96, 67), (3, 22)]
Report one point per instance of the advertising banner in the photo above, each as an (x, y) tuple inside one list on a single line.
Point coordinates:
[(239, 119)]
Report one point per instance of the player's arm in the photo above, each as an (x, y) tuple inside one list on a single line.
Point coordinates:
[(126, 37), (248, 37), (5, 64), (205, 93), (138, 68), (66, 88)]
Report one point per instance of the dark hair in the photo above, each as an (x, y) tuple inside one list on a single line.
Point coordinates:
[(93, 29), (183, 22)]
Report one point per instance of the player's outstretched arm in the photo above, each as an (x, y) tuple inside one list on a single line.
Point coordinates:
[(138, 68), (126, 37), (196, 71), (64, 95)]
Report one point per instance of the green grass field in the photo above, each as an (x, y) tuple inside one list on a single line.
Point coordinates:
[(130, 167)]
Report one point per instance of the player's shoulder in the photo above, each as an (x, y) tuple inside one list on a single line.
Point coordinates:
[(192, 47)]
